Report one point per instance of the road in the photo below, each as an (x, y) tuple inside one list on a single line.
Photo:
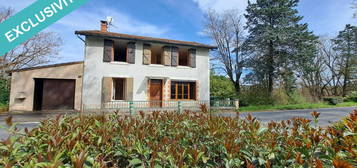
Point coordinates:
[(327, 116)]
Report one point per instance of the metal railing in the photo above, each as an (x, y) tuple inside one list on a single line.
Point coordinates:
[(135, 106)]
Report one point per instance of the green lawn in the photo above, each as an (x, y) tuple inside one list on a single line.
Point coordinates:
[(295, 106)]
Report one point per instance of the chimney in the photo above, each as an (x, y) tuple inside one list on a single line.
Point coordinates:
[(103, 26)]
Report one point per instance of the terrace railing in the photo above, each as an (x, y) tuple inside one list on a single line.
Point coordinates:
[(179, 106)]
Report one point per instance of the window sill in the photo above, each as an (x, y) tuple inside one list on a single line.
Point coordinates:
[(184, 67), (119, 63), (156, 65), (118, 101), (183, 100)]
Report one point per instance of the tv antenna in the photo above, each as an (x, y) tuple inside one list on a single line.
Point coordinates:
[(110, 21)]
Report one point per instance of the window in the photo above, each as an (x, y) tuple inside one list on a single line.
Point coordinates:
[(118, 89), (120, 52), (183, 90), (156, 55), (183, 57)]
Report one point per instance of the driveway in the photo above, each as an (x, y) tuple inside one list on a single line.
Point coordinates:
[(26, 121), (327, 116)]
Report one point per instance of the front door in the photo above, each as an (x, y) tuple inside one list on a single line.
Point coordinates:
[(155, 92)]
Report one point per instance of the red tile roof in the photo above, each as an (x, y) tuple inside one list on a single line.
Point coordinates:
[(142, 38)]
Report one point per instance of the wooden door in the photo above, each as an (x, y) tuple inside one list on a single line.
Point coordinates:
[(155, 92)]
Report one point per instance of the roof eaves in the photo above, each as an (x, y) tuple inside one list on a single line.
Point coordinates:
[(45, 66), (142, 38)]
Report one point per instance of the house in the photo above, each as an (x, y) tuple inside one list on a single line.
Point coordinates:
[(117, 69)]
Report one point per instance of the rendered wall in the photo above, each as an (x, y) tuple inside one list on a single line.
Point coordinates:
[(95, 69), (23, 83)]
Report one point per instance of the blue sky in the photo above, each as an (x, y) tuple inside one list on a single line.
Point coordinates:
[(176, 19)]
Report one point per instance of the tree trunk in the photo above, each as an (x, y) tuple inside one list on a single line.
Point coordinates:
[(346, 79), (270, 69), (237, 83)]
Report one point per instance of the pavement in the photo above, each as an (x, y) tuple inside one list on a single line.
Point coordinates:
[(327, 116)]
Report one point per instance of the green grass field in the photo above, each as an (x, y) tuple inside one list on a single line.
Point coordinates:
[(296, 106)]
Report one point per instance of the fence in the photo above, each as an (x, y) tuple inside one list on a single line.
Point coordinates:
[(135, 106)]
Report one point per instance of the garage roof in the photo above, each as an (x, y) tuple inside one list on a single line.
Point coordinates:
[(46, 66)]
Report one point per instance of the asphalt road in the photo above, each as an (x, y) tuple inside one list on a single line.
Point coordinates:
[(327, 116)]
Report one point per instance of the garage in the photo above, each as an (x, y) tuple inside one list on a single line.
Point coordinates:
[(54, 94)]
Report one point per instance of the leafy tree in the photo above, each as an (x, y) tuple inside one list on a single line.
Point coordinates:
[(4, 91), (221, 87), (346, 45), (277, 41)]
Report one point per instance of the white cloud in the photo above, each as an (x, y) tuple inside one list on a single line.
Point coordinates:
[(87, 18), (221, 5), (123, 23)]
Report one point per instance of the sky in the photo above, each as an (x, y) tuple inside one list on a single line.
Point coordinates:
[(174, 19)]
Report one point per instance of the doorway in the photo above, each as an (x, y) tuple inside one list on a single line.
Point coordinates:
[(155, 92), (54, 94)]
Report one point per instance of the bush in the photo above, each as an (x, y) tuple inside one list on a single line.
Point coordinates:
[(333, 100), (4, 91), (180, 140), (352, 96), (254, 95)]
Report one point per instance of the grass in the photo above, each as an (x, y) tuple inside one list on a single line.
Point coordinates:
[(295, 106)]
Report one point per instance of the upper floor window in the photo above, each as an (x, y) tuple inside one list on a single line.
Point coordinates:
[(120, 52), (156, 55), (183, 57), (169, 55)]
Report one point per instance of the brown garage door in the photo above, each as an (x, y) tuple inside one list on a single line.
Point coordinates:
[(58, 94)]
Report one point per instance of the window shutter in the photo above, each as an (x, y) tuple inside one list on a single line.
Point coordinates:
[(146, 54), (129, 89), (174, 56), (107, 87), (108, 50), (192, 57), (166, 53), (131, 52)]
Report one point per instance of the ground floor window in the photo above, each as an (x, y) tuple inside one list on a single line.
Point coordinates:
[(183, 90), (118, 89)]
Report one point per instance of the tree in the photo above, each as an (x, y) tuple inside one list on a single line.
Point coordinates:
[(227, 31), (321, 76), (221, 87), (277, 40), (40, 49), (346, 45)]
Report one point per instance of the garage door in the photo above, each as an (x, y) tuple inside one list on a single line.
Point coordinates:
[(58, 94)]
